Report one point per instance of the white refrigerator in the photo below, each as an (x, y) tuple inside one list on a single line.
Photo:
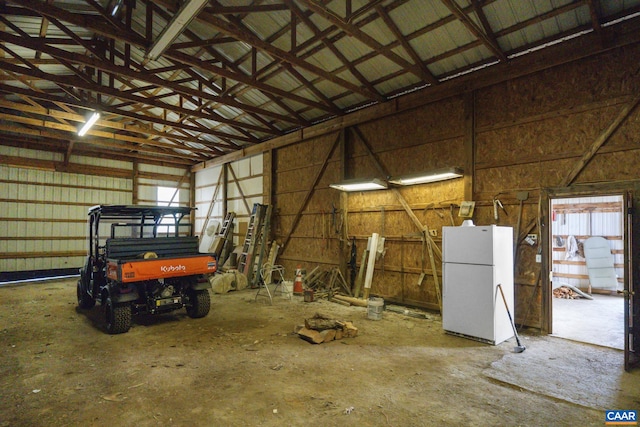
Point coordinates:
[(475, 259)]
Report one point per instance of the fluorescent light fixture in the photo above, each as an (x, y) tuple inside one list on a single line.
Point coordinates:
[(116, 8), (430, 176), (180, 21), (360, 184), (92, 120)]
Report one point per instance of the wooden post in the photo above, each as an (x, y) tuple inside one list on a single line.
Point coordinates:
[(213, 202), (135, 182), (469, 144), (363, 263), (342, 237), (225, 189)]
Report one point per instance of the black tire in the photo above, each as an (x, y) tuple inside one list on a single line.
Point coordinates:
[(85, 301), (199, 303), (117, 316)]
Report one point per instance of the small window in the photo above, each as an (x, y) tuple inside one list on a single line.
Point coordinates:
[(164, 198), (167, 195)]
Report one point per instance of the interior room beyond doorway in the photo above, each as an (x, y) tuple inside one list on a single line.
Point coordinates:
[(587, 308)]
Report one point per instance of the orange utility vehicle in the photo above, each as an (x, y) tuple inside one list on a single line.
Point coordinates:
[(143, 260)]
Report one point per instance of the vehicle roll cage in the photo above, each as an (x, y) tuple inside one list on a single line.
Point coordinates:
[(145, 217)]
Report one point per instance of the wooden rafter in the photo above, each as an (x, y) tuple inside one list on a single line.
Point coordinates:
[(318, 34), (67, 117), (113, 110), (133, 39), (227, 83), (486, 26), (125, 71), (489, 41), (225, 64), (594, 11), (250, 38), (403, 41), (356, 32)]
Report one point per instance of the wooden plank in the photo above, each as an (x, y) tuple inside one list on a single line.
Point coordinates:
[(579, 276), (600, 141), (373, 251), (436, 283), (613, 251), (578, 263), (354, 301), (587, 207), (585, 237), (49, 254), (469, 143)]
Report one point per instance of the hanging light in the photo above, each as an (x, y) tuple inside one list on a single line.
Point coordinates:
[(360, 184), (429, 176), (92, 120)]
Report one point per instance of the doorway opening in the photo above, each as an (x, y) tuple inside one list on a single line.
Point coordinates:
[(587, 258)]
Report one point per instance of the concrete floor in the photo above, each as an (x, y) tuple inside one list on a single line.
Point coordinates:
[(599, 321), (243, 366)]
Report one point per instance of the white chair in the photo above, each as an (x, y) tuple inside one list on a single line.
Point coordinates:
[(600, 265)]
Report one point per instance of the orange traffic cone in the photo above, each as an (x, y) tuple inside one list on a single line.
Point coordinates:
[(297, 284)]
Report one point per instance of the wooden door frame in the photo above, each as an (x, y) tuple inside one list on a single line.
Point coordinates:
[(589, 190)]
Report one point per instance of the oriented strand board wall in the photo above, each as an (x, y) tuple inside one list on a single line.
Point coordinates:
[(313, 241), (532, 131), (528, 134), (415, 141)]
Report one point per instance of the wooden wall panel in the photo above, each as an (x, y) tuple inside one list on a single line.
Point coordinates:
[(529, 133), (568, 86), (538, 140), (618, 166), (532, 132)]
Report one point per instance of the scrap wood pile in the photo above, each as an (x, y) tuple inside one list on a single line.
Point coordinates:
[(565, 292), (332, 285), (326, 283), (319, 329)]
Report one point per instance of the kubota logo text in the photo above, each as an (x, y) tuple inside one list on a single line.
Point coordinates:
[(172, 268)]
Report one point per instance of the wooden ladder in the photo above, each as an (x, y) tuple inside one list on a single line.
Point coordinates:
[(247, 257), (225, 244), (224, 230), (262, 237)]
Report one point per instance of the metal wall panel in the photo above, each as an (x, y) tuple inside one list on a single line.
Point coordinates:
[(578, 224), (249, 174), (43, 213)]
